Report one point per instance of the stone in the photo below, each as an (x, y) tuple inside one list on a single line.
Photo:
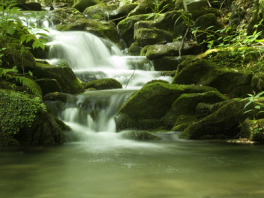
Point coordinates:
[(192, 5), (139, 135), (81, 5), (107, 83), (48, 85)]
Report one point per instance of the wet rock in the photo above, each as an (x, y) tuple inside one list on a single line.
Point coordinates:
[(126, 27), (56, 96), (121, 12), (152, 6), (185, 106), (48, 85), (81, 5), (144, 109), (222, 124), (139, 135), (191, 5), (63, 75), (33, 6), (147, 36), (169, 49), (167, 63), (30, 124), (100, 11), (252, 130), (134, 49), (233, 82), (107, 83)]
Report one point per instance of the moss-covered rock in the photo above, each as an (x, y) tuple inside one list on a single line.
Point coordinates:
[(186, 105), (134, 49), (56, 96), (25, 121), (13, 57), (252, 130), (139, 135), (126, 27), (149, 6), (63, 75), (99, 11), (146, 107), (169, 49), (147, 36), (105, 29), (223, 123), (48, 85), (107, 83), (167, 63), (121, 12), (33, 6), (235, 83), (81, 5)]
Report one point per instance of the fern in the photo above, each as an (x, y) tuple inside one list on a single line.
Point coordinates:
[(26, 82)]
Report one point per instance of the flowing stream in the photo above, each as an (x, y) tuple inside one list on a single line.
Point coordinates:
[(97, 162)]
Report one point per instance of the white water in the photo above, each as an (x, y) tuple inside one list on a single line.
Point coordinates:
[(91, 114)]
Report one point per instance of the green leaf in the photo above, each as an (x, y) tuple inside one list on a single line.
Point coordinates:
[(29, 38), (257, 107), (23, 38)]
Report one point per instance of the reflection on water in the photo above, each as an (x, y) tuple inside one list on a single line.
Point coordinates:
[(169, 168)]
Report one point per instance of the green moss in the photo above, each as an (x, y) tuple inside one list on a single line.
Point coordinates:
[(17, 110), (139, 135), (107, 83)]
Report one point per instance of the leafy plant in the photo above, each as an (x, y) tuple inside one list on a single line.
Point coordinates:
[(252, 100)]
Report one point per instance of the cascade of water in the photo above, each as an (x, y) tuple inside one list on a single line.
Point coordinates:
[(91, 57)]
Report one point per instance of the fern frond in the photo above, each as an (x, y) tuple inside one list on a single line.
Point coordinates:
[(26, 82)]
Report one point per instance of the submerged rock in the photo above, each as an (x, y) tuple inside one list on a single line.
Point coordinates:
[(139, 135)]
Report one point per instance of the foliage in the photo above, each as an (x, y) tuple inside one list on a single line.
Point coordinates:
[(9, 74), (253, 100), (17, 111), (13, 32)]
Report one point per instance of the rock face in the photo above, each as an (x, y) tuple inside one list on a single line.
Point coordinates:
[(192, 5), (30, 124), (62, 74)]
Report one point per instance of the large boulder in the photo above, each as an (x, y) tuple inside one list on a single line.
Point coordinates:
[(147, 36), (169, 49), (99, 11), (167, 63), (48, 85), (252, 130), (145, 108), (81, 5), (233, 82), (139, 135), (126, 27), (192, 5), (25, 121), (121, 12), (185, 106), (63, 75), (222, 124)]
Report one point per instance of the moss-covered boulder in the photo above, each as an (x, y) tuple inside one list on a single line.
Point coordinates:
[(81, 5), (13, 57), (63, 75), (56, 96), (167, 63), (146, 107), (65, 16), (126, 27), (252, 130), (169, 49), (149, 6), (147, 36), (25, 121), (233, 82), (104, 29), (33, 6), (99, 11), (107, 83), (118, 14), (221, 124), (134, 49), (139, 135), (48, 85), (186, 105)]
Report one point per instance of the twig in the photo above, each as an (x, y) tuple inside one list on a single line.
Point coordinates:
[(187, 30), (130, 78)]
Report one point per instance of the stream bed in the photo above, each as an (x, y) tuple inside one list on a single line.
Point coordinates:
[(128, 169)]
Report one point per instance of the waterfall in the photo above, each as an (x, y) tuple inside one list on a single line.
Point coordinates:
[(91, 114)]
